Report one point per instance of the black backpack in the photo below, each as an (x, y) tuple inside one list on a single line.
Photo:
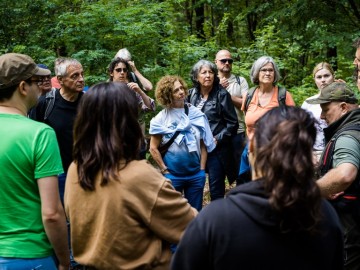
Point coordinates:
[(250, 94), (49, 102)]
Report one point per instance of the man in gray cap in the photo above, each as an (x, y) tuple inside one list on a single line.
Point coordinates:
[(339, 165), (32, 224)]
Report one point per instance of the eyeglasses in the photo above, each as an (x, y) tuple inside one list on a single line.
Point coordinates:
[(264, 70), (229, 60), (121, 70), (41, 80)]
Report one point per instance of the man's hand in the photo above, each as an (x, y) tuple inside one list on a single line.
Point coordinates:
[(224, 82)]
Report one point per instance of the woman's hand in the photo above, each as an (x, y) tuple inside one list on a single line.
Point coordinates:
[(135, 87), (215, 140), (132, 65)]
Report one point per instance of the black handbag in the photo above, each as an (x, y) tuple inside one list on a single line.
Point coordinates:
[(165, 147)]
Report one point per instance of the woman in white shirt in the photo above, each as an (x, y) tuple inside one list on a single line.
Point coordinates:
[(323, 75)]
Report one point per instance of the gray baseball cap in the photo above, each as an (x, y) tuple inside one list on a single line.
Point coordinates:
[(336, 91), (15, 67)]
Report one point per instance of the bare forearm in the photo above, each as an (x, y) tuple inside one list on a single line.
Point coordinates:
[(155, 153), (237, 101), (146, 99), (144, 82), (203, 156), (337, 179), (56, 231), (154, 150)]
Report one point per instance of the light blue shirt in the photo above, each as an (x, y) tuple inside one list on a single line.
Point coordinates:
[(184, 155)]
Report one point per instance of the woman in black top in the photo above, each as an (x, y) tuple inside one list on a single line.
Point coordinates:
[(209, 96), (277, 221)]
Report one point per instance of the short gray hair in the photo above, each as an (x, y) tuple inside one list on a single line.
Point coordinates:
[(258, 64), (198, 66), (124, 54), (63, 64)]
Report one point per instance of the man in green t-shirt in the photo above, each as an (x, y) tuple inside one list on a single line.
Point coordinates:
[(32, 225)]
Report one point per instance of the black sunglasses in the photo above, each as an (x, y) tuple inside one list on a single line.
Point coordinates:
[(121, 69), (230, 61)]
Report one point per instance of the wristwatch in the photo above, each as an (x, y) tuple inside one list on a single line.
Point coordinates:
[(163, 170)]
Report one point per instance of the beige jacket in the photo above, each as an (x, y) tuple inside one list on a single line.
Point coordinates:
[(126, 224)]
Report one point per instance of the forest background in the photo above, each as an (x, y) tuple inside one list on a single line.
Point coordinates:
[(170, 36)]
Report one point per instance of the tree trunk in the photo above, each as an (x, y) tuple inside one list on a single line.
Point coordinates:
[(199, 20)]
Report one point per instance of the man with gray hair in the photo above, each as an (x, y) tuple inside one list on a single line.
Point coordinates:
[(136, 76), (339, 164), (58, 109), (32, 224)]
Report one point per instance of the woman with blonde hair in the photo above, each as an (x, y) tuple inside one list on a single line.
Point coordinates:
[(323, 75)]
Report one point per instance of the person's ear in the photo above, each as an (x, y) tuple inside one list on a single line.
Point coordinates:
[(60, 79), (22, 88), (344, 107)]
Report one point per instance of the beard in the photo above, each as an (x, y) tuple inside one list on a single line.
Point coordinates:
[(225, 69)]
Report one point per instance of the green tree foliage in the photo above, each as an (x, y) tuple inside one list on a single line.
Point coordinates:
[(169, 36)]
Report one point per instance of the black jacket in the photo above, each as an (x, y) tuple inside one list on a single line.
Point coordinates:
[(342, 204), (220, 112), (242, 232), (223, 121)]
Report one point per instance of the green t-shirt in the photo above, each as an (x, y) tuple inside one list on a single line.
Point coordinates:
[(347, 150), (28, 151)]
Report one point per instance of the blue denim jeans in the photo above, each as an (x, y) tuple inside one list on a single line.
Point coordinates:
[(192, 186), (245, 168), (46, 263), (217, 174), (62, 178), (238, 145)]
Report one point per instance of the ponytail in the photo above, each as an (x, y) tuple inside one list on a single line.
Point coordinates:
[(284, 158)]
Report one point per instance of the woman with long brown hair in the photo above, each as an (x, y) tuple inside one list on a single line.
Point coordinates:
[(278, 220), (119, 207)]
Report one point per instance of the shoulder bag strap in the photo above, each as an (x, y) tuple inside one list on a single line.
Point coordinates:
[(163, 148)]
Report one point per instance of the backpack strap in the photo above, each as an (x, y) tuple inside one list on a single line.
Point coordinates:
[(282, 96), (238, 80), (248, 98), (49, 102), (133, 77)]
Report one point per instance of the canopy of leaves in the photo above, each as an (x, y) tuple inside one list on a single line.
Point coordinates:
[(170, 36)]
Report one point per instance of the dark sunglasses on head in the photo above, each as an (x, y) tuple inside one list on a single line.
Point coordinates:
[(230, 61), (121, 69)]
